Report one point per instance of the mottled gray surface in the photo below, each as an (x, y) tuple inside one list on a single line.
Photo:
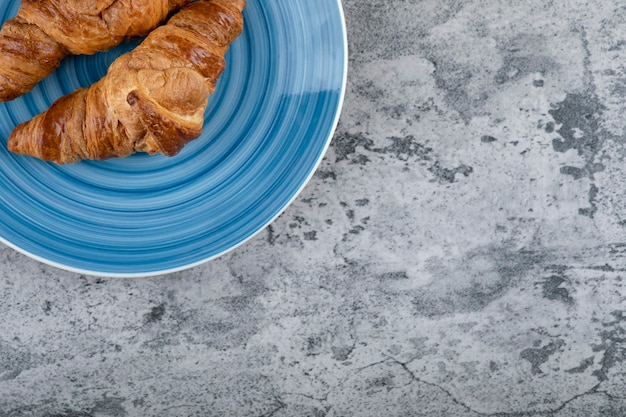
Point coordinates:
[(461, 251)]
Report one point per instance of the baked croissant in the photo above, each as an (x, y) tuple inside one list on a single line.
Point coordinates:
[(152, 99), (33, 43)]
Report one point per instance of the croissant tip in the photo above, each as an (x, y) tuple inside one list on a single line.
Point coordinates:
[(12, 145), (14, 142)]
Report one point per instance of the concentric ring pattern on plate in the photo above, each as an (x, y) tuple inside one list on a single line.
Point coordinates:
[(267, 127)]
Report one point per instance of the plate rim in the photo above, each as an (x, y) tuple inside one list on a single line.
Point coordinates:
[(146, 274)]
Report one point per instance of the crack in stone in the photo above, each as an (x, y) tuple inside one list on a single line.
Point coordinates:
[(591, 391), (324, 399), (310, 397), (415, 378), (536, 413), (325, 407), (281, 405)]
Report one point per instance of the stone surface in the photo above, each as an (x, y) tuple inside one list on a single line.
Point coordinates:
[(461, 251)]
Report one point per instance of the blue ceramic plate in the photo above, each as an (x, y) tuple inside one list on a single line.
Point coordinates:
[(267, 128)]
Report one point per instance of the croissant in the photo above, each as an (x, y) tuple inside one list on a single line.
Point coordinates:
[(33, 43), (152, 99)]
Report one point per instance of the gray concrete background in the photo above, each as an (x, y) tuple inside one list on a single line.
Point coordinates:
[(460, 252)]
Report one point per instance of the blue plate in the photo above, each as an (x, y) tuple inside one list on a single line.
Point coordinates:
[(267, 128)]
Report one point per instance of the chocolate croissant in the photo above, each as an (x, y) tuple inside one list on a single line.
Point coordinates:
[(152, 99), (33, 43)]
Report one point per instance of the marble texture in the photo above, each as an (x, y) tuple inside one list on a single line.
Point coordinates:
[(461, 251)]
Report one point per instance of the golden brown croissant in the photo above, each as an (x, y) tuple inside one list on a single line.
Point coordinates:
[(152, 99), (33, 43)]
